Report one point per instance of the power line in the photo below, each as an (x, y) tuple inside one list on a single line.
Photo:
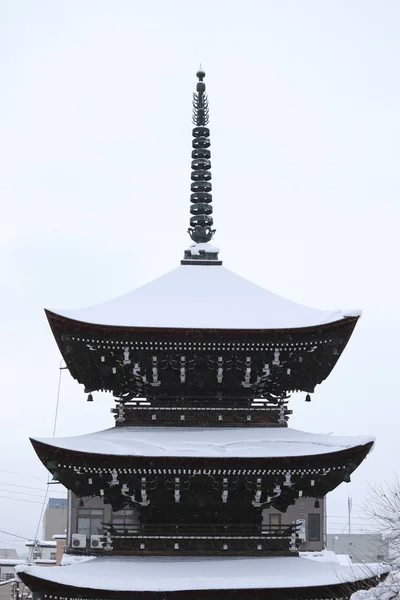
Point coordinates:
[(345, 517), (21, 474), (364, 522), (27, 487), (21, 500), (14, 535), (48, 477), (21, 493), (58, 400)]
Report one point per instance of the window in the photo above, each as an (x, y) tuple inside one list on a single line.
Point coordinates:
[(53, 555), (314, 527), (7, 576), (90, 521), (126, 519), (275, 520)]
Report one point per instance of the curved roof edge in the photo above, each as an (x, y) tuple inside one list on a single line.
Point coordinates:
[(129, 575), (203, 297), (192, 442)]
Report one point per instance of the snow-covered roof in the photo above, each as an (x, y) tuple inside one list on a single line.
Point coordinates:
[(328, 556), (199, 573), (265, 442), (8, 553), (43, 544), (45, 561), (203, 297)]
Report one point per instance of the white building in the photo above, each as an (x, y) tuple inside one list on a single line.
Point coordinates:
[(42, 553)]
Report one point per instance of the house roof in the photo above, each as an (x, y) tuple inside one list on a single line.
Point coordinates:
[(42, 544)]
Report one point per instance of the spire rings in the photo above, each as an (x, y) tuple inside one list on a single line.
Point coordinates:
[(201, 222)]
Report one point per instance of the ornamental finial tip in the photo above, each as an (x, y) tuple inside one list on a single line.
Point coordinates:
[(201, 73)]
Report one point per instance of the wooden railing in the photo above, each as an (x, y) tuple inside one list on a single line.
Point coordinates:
[(200, 539), (193, 539), (199, 530)]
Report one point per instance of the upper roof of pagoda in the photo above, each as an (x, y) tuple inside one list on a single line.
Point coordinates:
[(203, 297), (281, 577), (201, 331)]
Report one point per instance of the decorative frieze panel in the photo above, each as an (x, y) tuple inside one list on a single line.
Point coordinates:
[(260, 489), (198, 374), (273, 374), (157, 363)]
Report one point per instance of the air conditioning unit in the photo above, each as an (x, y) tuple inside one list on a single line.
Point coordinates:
[(97, 541), (79, 540)]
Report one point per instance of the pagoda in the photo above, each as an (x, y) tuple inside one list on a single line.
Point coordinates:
[(200, 488)]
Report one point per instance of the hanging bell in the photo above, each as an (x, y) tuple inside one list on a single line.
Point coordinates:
[(90, 398), (316, 503), (308, 398)]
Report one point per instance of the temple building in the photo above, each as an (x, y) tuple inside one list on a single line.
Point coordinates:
[(200, 490)]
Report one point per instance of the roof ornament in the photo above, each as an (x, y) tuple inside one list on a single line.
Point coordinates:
[(201, 221)]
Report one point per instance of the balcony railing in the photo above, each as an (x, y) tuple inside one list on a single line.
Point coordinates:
[(200, 530), (197, 538)]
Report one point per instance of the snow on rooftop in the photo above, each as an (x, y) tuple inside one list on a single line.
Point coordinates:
[(204, 297), (45, 561), (267, 442), (69, 559), (328, 556), (199, 573), (195, 249), (42, 544)]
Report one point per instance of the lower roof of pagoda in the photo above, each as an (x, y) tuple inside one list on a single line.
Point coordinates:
[(187, 442), (272, 577)]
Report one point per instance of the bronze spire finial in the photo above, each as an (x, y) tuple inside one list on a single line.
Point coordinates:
[(201, 222)]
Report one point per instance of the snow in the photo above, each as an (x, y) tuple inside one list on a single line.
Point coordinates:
[(328, 556), (69, 559), (45, 544), (266, 442), (199, 573), (195, 249), (7, 582), (386, 590), (198, 296), (45, 561)]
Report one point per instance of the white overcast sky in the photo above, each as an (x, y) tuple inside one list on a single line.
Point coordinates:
[(95, 121)]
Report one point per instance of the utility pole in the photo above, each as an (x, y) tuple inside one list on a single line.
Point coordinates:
[(349, 507)]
